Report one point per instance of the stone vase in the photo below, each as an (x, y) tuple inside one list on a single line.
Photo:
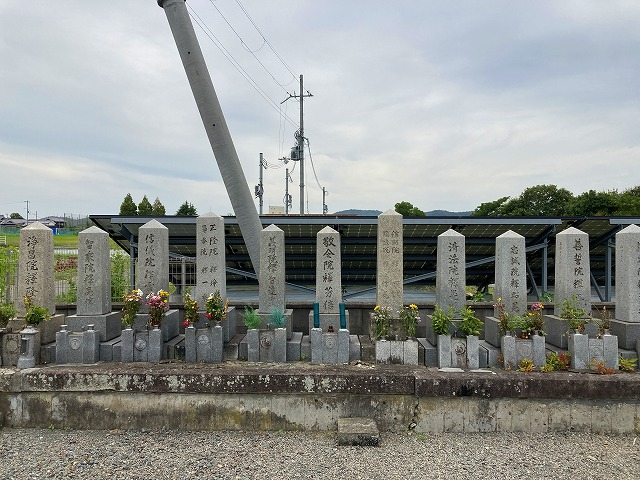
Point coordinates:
[(585, 350), (514, 350), (458, 352), (403, 352)]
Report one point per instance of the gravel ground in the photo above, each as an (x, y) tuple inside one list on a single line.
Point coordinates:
[(36, 453)]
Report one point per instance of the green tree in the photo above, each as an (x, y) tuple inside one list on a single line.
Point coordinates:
[(594, 204), (539, 201), (187, 209), (16, 215), (158, 208), (144, 207), (490, 209), (408, 210), (629, 202), (128, 207)]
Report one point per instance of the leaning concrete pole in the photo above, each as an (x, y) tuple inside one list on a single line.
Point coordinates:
[(215, 126)]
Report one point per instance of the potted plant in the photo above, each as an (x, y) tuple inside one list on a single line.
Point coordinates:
[(575, 315), (191, 315), (216, 309), (524, 338), (34, 314), (158, 307), (395, 335), (251, 319), (131, 307), (461, 349)]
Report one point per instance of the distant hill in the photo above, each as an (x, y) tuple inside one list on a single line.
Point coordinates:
[(446, 213), (375, 213), (362, 213)]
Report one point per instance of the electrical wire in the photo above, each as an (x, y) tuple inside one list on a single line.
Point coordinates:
[(248, 49), (267, 42), (312, 165), (207, 31)]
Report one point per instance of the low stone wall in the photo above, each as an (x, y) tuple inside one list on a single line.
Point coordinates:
[(307, 397)]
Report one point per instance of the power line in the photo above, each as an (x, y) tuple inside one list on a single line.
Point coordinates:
[(248, 49), (267, 41), (207, 31), (312, 165)]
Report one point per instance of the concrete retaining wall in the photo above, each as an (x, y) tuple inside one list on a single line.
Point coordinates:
[(305, 397)]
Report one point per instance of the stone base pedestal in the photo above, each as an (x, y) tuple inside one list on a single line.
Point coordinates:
[(10, 349), (108, 325), (83, 347), (492, 331), (403, 352), (628, 333), (265, 321), (169, 326), (458, 352), (557, 330), (229, 324), (329, 319), (204, 344), (267, 345), (584, 350), (514, 350), (329, 348), (431, 336), (141, 346)]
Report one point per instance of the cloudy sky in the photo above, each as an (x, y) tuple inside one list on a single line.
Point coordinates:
[(445, 104)]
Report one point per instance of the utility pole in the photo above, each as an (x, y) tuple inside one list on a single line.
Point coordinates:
[(287, 197), (215, 125), (260, 187), (325, 209), (27, 202), (298, 151)]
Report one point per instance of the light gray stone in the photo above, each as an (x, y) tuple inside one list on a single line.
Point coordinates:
[(36, 268), (217, 345), (266, 322), (410, 352), (383, 351), (473, 360), (451, 270), (153, 258), (211, 273), (557, 330), (272, 274), (190, 345), (328, 271), (140, 347), (62, 356), (510, 273), (315, 337), (294, 347), (169, 325), (328, 319), (627, 274), (27, 358), (343, 346), (280, 345), (108, 325), (126, 345), (107, 350), (514, 350), (572, 269), (492, 331), (90, 346), (579, 350), (389, 274), (154, 352), (47, 330), (94, 272), (354, 348), (253, 345), (444, 351), (628, 333), (358, 431)]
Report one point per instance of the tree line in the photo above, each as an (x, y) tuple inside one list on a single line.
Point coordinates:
[(145, 208), (551, 201)]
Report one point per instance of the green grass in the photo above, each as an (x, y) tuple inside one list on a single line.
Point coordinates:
[(59, 241)]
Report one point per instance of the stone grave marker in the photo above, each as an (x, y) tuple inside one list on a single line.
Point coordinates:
[(451, 270), (389, 273), (153, 258), (626, 325)]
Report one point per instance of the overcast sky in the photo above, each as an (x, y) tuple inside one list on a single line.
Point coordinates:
[(445, 104)]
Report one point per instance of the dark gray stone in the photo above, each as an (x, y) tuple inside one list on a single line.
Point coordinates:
[(107, 325)]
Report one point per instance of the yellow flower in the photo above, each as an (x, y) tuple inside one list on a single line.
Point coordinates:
[(377, 308), (413, 306)]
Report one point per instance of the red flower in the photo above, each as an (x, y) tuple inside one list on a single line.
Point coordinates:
[(185, 323), (208, 315)]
